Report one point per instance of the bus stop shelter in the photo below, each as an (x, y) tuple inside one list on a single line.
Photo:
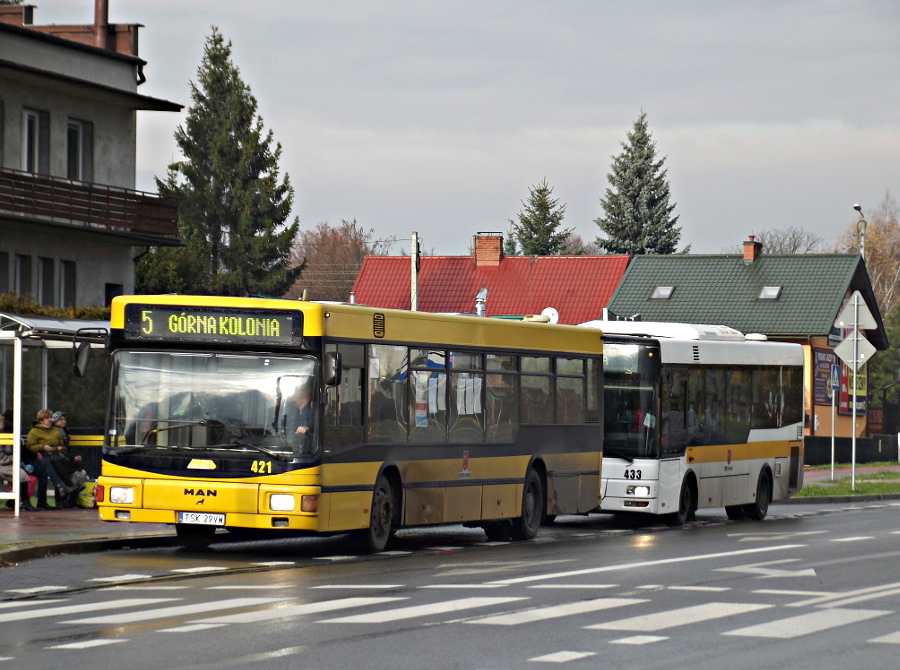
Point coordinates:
[(37, 354)]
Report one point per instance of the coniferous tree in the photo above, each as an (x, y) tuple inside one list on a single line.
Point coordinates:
[(233, 207), (638, 217), (536, 232)]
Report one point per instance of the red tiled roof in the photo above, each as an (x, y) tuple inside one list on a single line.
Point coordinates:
[(578, 287)]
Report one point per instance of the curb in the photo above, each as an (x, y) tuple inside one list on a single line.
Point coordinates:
[(869, 497), (27, 553)]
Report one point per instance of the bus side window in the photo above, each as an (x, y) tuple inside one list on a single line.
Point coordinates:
[(387, 394), (674, 413)]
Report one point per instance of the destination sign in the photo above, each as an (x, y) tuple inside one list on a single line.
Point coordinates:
[(213, 324)]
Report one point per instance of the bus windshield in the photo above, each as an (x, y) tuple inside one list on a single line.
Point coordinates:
[(630, 373), (214, 402)]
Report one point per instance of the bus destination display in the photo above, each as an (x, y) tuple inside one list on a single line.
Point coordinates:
[(213, 324)]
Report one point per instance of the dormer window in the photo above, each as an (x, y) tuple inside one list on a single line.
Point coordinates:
[(769, 293), (662, 293)]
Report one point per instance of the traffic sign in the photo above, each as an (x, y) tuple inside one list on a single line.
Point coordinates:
[(836, 376), (863, 350), (856, 315)]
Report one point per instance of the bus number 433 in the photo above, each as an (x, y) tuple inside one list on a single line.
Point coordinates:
[(632, 474)]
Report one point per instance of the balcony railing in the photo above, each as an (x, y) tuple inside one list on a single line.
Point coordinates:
[(93, 206)]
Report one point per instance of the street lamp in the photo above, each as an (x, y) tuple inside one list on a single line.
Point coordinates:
[(861, 232)]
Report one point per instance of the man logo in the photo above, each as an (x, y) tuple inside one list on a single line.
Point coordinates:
[(204, 493)]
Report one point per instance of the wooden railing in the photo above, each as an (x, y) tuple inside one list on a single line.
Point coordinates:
[(86, 204)]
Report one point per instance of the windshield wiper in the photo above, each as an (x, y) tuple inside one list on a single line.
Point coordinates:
[(617, 454), (245, 445)]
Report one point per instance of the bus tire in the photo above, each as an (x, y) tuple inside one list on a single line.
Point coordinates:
[(735, 512), (526, 526), (383, 517), (194, 537), (687, 505), (497, 531), (758, 510)]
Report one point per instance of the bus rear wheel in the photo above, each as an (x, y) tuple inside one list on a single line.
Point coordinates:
[(194, 537), (526, 526), (758, 510), (382, 519)]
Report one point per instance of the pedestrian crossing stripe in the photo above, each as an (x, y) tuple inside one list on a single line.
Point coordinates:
[(678, 617), (176, 611), (65, 610), (293, 610), (416, 611), (805, 624), (555, 611)]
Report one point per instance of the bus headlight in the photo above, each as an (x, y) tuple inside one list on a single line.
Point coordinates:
[(281, 502), (642, 491), (121, 495)]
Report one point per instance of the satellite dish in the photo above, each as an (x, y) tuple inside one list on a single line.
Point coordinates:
[(551, 314)]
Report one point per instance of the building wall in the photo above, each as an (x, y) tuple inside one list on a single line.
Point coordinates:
[(114, 130), (98, 260)]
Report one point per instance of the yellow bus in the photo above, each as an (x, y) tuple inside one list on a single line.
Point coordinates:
[(268, 416)]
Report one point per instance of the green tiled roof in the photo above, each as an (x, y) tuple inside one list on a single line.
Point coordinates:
[(724, 290)]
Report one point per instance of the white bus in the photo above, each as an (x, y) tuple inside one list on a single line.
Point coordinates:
[(699, 416)]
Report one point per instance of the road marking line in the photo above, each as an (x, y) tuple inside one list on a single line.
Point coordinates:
[(293, 610), (415, 611), (640, 639), (191, 628), (875, 591), (804, 624), (707, 589), (461, 586), (563, 656), (556, 611), (273, 564), (572, 586), (358, 586), (645, 564), (37, 589), (120, 578), (177, 611), (891, 638), (789, 592), (245, 587), (77, 609), (28, 603), (87, 644), (852, 539), (678, 617), (200, 569)]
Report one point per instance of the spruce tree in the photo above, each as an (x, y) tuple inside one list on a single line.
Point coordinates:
[(233, 206), (638, 216), (536, 232)]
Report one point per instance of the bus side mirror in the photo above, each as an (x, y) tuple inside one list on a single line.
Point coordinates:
[(82, 355), (332, 369)]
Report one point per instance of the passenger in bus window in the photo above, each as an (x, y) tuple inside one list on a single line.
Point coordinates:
[(301, 419)]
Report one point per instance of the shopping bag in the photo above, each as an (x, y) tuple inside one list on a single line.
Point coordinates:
[(87, 496)]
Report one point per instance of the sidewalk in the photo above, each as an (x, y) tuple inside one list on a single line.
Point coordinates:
[(75, 531), (79, 530)]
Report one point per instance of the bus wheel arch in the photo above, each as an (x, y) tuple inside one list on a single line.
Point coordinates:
[(687, 502), (758, 509)]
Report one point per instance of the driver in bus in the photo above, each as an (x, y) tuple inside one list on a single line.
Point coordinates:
[(301, 419)]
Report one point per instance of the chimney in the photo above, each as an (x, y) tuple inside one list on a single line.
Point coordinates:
[(752, 249), (101, 24), (488, 250)]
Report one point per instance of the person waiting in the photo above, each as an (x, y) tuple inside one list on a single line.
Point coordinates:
[(69, 468), (42, 440)]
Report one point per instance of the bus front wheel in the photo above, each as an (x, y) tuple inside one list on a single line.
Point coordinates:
[(758, 510), (383, 517), (526, 526), (687, 505), (194, 537)]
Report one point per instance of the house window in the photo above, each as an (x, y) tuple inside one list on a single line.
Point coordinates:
[(4, 272), (22, 275), (80, 150), (113, 291), (35, 141), (769, 293), (662, 293), (46, 285), (67, 283)]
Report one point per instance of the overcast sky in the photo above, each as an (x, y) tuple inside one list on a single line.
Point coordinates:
[(437, 116)]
